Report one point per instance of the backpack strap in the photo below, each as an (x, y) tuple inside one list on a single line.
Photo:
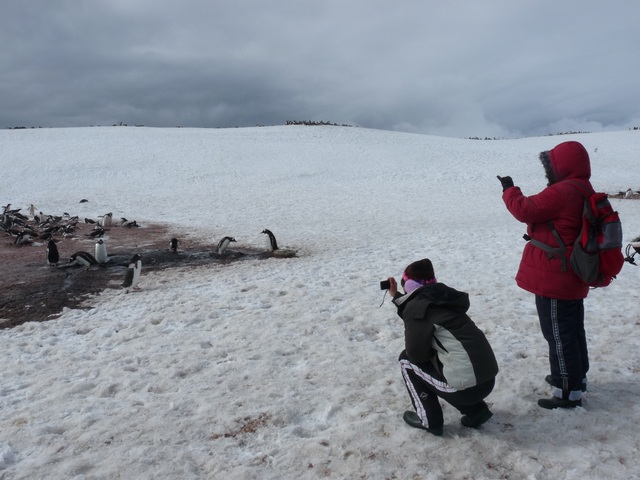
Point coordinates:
[(582, 188), (561, 250), (558, 252)]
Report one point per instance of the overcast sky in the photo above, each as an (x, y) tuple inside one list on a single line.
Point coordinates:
[(497, 68)]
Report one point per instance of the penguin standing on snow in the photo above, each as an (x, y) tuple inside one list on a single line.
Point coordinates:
[(53, 256), (271, 241), (173, 245), (101, 252), (224, 244), (132, 276)]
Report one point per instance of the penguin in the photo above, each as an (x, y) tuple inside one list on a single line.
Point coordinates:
[(67, 231), (628, 193), (271, 242), (224, 244), (107, 220), (101, 252), (32, 211), (53, 256), (173, 245), (97, 232), (132, 276), (84, 259), (23, 238)]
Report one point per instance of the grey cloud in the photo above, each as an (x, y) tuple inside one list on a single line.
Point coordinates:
[(494, 68)]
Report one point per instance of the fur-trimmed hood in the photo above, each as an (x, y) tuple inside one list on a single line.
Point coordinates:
[(567, 160)]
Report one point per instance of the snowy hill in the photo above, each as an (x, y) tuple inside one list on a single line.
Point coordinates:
[(287, 368)]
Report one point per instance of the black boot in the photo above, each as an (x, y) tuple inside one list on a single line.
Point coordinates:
[(413, 419), (478, 418), (555, 402)]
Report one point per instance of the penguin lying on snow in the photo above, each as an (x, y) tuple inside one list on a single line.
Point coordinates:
[(97, 231), (132, 276), (84, 259), (23, 238), (224, 244)]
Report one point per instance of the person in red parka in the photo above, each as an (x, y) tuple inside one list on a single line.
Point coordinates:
[(558, 291)]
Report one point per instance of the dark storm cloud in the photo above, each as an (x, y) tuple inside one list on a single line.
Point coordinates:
[(495, 68)]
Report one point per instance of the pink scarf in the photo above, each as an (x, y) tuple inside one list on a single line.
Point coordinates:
[(410, 285)]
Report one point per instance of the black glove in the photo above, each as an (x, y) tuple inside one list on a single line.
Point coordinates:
[(506, 182)]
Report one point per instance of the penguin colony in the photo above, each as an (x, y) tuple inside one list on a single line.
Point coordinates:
[(51, 229), (34, 227), (28, 228)]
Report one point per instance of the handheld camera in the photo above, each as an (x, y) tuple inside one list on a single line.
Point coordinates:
[(385, 285)]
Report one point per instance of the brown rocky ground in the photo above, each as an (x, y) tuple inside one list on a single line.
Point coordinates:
[(31, 290)]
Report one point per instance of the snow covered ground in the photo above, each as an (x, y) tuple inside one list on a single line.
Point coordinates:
[(287, 368)]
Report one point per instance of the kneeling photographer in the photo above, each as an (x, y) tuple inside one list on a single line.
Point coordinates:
[(446, 355)]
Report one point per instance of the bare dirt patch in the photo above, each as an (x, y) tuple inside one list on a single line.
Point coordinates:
[(31, 290)]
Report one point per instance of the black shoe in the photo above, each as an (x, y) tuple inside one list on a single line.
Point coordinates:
[(549, 380), (555, 402), (413, 419), (474, 421)]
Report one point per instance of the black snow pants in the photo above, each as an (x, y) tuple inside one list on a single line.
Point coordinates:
[(562, 324), (425, 386)]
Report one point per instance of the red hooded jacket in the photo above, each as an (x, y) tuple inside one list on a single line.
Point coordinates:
[(560, 203)]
